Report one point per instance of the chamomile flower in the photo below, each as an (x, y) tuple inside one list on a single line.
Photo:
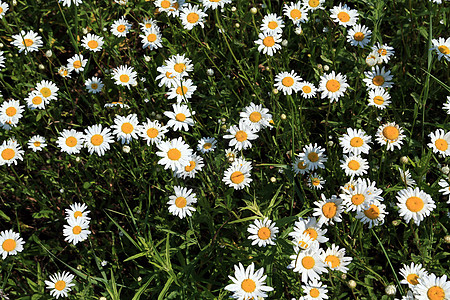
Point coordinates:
[(440, 141), (238, 176), (27, 41), (248, 284), (272, 24), (179, 65), (373, 59), (164, 5), (214, 4), (390, 135), (414, 204), (182, 90), (379, 98), (333, 86), (315, 181), (359, 35), (36, 143), (314, 156), (92, 42), (308, 263), (313, 4), (166, 76), (60, 283), (148, 23), (263, 233), (64, 71), (192, 15), (299, 166), (335, 258), (180, 204), (77, 210), (231, 155), (3, 9), (70, 141), (240, 136), (307, 89), (48, 90), (445, 188), (354, 165), (152, 131), (378, 78), (120, 27), (374, 214), (124, 76), (176, 7), (256, 117), (77, 230), (431, 287), (406, 178), (206, 145), (126, 128), (356, 141), (151, 38), (11, 112), (442, 47), (384, 51), (94, 85), (287, 82), (268, 43), (98, 139), (296, 12), (303, 241), (411, 274), (357, 198), (11, 243), (344, 15), (328, 210), (68, 3), (315, 290), (190, 169), (76, 63), (180, 117), (175, 154), (311, 227)]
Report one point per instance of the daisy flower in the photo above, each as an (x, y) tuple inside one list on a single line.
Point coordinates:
[(3, 9), (179, 117), (206, 145), (117, 104), (193, 167), (192, 15), (356, 141), (354, 165), (76, 63), (432, 287), (120, 27), (214, 4), (442, 47), (175, 154), (240, 136), (406, 178), (344, 15), (390, 134), (179, 65), (287, 82), (176, 7), (237, 176), (152, 131), (333, 86), (263, 232), (124, 76), (307, 89), (315, 290), (11, 112), (64, 71), (373, 59), (230, 155), (311, 227), (359, 35), (315, 181), (92, 42), (180, 204), (379, 98), (97, 139), (446, 105), (411, 274), (148, 23), (374, 214), (48, 90), (299, 166), (166, 76), (358, 198), (414, 204), (11, 243), (256, 117), (328, 210), (37, 143), (60, 283), (272, 24), (378, 78), (77, 210), (309, 264), (77, 230), (313, 4), (268, 43), (335, 258), (164, 5), (296, 12), (314, 156), (27, 41), (68, 3), (182, 90), (70, 141), (248, 284), (303, 241), (94, 85), (151, 38), (126, 128), (440, 141), (384, 51), (10, 152)]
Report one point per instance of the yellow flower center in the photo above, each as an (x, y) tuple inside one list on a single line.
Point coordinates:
[(76, 229), (356, 142), (148, 25), (264, 233), (358, 199), (382, 52), (11, 111), (237, 177), (414, 204), (333, 85), (180, 202), (436, 293), (127, 128), (313, 3), (287, 81), (241, 136), (152, 133), (343, 17), (180, 117), (272, 25), (354, 165), (9, 245), (46, 92), (333, 260), (441, 144), (378, 100), (190, 167), (182, 91), (8, 154), (121, 28), (391, 133), (37, 144), (151, 37), (71, 141), (248, 285), (315, 181), (308, 262), (27, 42), (169, 75), (77, 64), (359, 36), (179, 68), (207, 146), (60, 285), (165, 4), (77, 214), (314, 293), (36, 100), (124, 78), (378, 80), (413, 279), (296, 14), (92, 44), (94, 86), (306, 89), (255, 117), (97, 139), (192, 17), (312, 233), (313, 156), (174, 154), (329, 209), (372, 212), (269, 41), (301, 165), (444, 49)]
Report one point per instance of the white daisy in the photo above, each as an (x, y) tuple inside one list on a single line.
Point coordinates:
[(313, 4), (206, 145), (2, 57), (314, 156), (359, 35), (311, 227), (344, 15), (431, 287), (76, 63), (192, 15), (179, 65), (440, 141), (378, 78), (48, 90), (379, 98), (296, 12), (287, 82), (256, 117), (92, 42), (27, 41), (164, 5), (354, 165), (126, 128), (10, 152), (3, 9), (175, 154), (98, 139), (180, 117), (148, 23), (124, 76), (299, 166), (442, 47), (151, 38), (411, 274), (37, 143), (11, 243), (315, 181), (315, 290), (180, 204), (445, 185), (35, 100), (60, 284), (120, 27), (238, 176), (414, 204), (268, 43), (446, 105), (335, 258), (166, 76), (70, 141), (309, 264), (214, 4), (356, 141), (77, 210), (248, 284), (390, 135), (68, 3), (182, 90), (307, 89), (152, 131), (384, 51), (193, 167), (328, 210), (333, 86), (374, 214), (63, 71), (272, 24), (240, 136), (263, 233), (176, 7), (406, 178), (11, 112), (77, 230), (94, 85)]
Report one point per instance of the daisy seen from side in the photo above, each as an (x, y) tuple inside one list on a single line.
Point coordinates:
[(263, 232), (180, 204), (11, 243), (37, 143), (414, 204)]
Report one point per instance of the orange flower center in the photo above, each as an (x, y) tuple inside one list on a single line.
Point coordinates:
[(237, 177), (255, 117), (413, 279), (354, 165), (241, 136), (9, 245), (127, 128), (190, 167), (46, 92), (92, 44), (192, 17), (264, 233), (378, 80), (60, 285), (329, 209), (121, 28), (182, 91), (313, 156), (358, 199), (27, 42), (36, 100), (391, 133), (296, 14), (11, 111), (333, 260), (359, 36), (269, 41), (174, 154), (97, 139), (441, 144), (124, 78), (152, 133), (180, 202), (343, 16), (356, 142), (71, 141), (444, 49), (287, 81), (378, 100), (308, 262), (248, 285), (414, 204), (8, 154), (372, 212), (333, 85), (76, 229), (436, 293), (272, 25)]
